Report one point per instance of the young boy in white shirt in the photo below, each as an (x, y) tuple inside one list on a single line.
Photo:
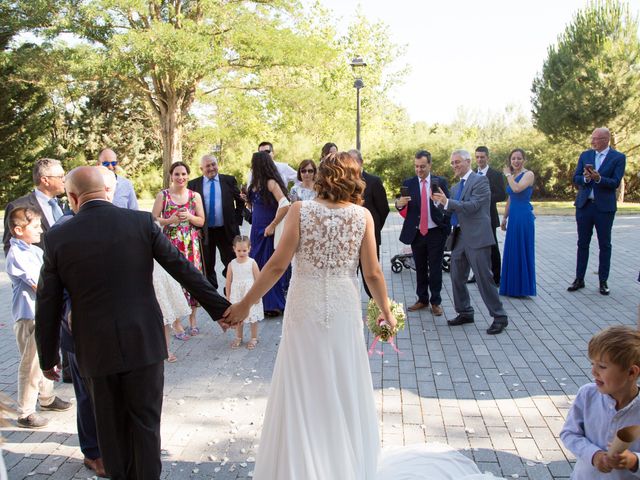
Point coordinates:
[(601, 408), (23, 264)]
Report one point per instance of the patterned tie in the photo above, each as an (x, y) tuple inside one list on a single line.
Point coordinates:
[(454, 217), (424, 209), (56, 211), (211, 220)]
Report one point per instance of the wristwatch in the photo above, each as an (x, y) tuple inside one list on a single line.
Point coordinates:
[(508, 174)]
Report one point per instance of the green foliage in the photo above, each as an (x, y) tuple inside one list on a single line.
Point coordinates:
[(591, 77)]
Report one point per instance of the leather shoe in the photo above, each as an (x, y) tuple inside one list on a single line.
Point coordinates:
[(417, 306), (498, 325), (472, 279), (460, 320), (97, 466), (436, 310), (576, 285), (604, 288)]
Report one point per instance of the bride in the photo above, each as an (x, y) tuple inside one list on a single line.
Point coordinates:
[(320, 422)]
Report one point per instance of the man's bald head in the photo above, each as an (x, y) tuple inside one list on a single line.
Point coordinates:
[(108, 159), (84, 184), (109, 181)]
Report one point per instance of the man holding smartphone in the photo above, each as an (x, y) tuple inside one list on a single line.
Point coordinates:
[(426, 229), (597, 176)]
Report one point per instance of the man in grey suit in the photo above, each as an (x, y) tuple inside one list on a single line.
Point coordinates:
[(472, 241)]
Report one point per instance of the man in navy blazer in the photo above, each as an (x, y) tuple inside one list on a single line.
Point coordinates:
[(597, 176), (426, 234)]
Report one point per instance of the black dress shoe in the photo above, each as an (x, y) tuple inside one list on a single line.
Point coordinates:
[(496, 328), (460, 320), (472, 279), (576, 285), (604, 288)]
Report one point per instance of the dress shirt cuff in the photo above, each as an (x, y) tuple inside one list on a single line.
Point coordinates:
[(584, 179), (588, 453), (636, 472), (400, 208), (446, 205), (599, 179)]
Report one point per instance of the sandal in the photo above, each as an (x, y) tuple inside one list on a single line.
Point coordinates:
[(251, 344), (193, 331), (182, 336), (236, 343), (171, 358)]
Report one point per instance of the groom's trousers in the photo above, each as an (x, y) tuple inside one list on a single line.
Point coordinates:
[(128, 406)]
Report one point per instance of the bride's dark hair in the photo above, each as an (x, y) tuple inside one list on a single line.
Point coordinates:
[(339, 179)]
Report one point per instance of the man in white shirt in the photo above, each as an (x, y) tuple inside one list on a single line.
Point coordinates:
[(48, 178), (287, 173)]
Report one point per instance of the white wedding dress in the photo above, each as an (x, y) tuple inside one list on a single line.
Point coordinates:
[(320, 422)]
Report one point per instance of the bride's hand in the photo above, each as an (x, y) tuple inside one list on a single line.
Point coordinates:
[(388, 319), (236, 313)]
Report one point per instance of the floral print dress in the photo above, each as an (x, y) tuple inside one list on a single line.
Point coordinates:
[(184, 236)]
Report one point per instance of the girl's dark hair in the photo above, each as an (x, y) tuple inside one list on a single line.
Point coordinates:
[(264, 169), (524, 155), (326, 150), (179, 164)]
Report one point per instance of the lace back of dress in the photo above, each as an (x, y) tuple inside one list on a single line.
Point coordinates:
[(330, 240)]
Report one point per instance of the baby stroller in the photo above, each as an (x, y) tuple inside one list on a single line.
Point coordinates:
[(405, 260)]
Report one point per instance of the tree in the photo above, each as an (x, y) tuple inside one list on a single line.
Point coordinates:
[(171, 51)]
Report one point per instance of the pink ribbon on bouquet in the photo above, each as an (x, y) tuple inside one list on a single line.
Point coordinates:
[(380, 352)]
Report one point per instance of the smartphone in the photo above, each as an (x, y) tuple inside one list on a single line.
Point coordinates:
[(404, 191), (435, 185), (588, 167)]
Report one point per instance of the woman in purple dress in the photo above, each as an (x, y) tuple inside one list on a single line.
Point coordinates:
[(266, 194)]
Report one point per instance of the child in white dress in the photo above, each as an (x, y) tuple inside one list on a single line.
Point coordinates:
[(241, 272)]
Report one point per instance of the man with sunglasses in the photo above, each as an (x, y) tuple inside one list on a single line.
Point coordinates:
[(48, 178), (287, 173), (125, 196)]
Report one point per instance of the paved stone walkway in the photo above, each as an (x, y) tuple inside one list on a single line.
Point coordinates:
[(501, 400)]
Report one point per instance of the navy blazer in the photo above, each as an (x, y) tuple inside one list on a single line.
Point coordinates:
[(411, 224), (232, 205), (604, 192)]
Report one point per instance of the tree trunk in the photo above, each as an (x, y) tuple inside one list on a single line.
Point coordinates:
[(620, 192), (171, 132)]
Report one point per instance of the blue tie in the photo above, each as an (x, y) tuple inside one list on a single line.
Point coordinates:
[(56, 211), (211, 219), (454, 217)]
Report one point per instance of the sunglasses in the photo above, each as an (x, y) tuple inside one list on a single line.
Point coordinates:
[(266, 150), (310, 170), (113, 164)]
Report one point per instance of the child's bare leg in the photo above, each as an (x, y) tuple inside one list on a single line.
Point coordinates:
[(238, 340), (254, 336)]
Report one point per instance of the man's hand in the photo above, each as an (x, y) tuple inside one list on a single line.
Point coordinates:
[(624, 461), (236, 313), (52, 373), (402, 202), (601, 462), (439, 197), (595, 176)]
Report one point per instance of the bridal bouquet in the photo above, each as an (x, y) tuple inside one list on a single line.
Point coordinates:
[(380, 328)]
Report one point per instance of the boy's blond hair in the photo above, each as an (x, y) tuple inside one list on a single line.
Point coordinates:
[(619, 344), (21, 217)]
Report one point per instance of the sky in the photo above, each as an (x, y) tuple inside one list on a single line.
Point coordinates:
[(478, 55)]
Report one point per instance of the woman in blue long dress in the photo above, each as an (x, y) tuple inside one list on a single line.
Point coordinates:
[(266, 192), (518, 260)]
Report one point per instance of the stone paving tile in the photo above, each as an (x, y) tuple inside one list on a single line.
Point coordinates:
[(501, 400)]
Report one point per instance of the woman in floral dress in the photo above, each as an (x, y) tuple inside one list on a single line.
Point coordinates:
[(181, 215)]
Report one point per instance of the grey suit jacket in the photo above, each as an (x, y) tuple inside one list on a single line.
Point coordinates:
[(473, 211)]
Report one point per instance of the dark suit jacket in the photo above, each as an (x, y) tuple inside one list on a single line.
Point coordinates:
[(411, 224), (232, 205), (498, 194), (375, 200), (104, 258), (611, 172), (29, 201)]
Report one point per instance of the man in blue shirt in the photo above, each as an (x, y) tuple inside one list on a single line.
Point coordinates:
[(125, 196)]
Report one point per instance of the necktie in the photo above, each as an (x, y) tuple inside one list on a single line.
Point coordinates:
[(211, 219), (56, 211), (424, 209), (480, 172), (454, 217), (599, 158)]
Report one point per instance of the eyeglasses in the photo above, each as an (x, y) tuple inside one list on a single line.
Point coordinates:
[(267, 150), (113, 164), (309, 170)]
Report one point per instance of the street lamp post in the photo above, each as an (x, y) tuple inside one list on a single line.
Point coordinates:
[(358, 84)]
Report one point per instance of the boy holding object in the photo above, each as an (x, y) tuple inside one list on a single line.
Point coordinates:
[(602, 408)]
